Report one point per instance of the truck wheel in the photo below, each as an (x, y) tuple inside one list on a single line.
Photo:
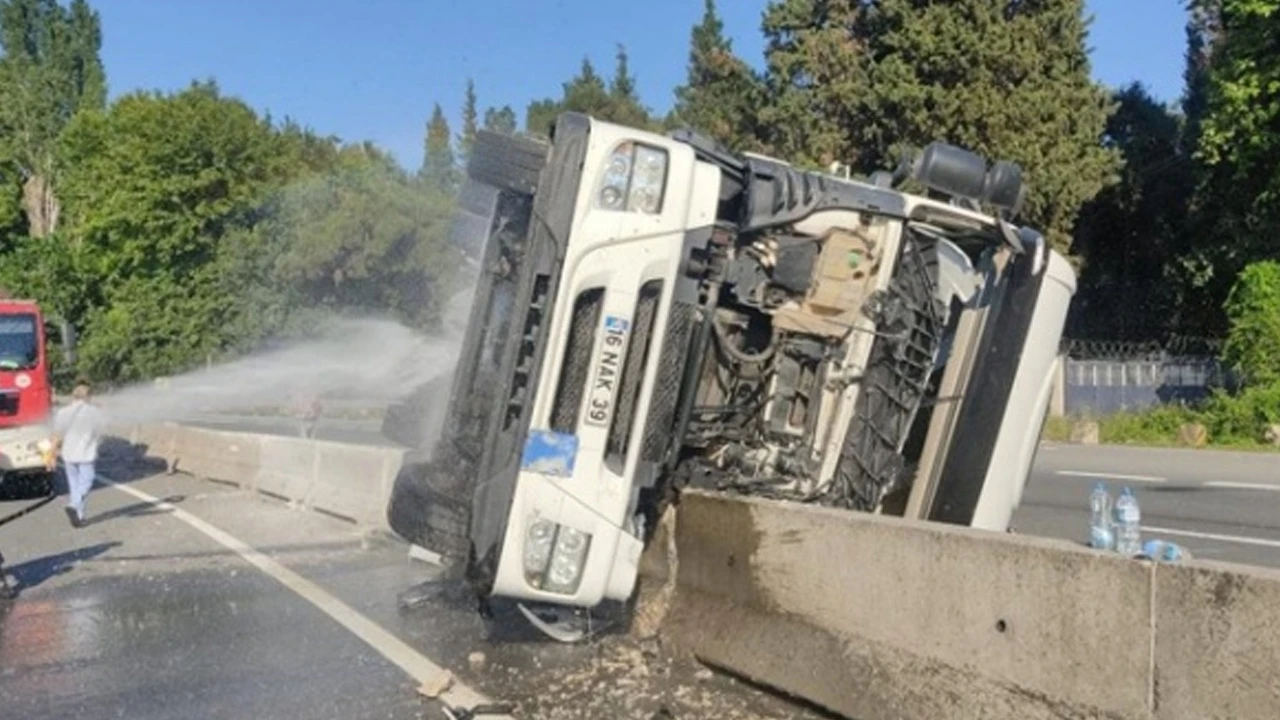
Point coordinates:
[(506, 161), (427, 517), (42, 484)]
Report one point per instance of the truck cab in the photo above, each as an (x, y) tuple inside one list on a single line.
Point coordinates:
[(26, 391), (654, 312)]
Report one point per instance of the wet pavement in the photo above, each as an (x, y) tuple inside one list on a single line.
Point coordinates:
[(141, 615)]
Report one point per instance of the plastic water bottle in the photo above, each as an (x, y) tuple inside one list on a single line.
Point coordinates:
[(1100, 534), (1128, 518), (1164, 551)]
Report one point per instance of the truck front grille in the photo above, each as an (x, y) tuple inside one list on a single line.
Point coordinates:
[(658, 434), (8, 404), (646, 314), (577, 361)]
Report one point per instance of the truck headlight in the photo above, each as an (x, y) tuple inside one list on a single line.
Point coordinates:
[(634, 179), (554, 556), (537, 546)]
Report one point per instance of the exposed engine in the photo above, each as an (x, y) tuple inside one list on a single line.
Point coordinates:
[(793, 317)]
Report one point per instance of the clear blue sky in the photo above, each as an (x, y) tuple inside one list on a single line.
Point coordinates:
[(371, 69)]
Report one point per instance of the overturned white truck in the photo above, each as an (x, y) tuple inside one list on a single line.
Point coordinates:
[(654, 313)]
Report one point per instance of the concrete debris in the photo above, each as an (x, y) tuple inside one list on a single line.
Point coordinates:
[(1084, 433), (622, 681), (437, 685), (477, 661), (1272, 435), (1193, 435)]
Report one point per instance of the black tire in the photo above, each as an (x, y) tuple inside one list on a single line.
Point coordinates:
[(427, 517), (42, 484), (507, 162), (27, 486)]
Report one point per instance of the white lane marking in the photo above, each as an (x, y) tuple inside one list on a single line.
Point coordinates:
[(389, 646), (1111, 476), (1241, 485), (1263, 542)]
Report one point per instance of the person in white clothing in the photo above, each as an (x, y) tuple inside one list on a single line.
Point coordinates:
[(78, 430)]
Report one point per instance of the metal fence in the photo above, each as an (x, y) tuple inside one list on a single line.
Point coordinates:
[(1100, 387), (1102, 377)]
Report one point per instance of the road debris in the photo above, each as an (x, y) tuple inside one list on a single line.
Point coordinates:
[(479, 711), (437, 685)]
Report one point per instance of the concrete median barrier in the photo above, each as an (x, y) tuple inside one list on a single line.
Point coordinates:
[(1217, 643), (878, 619), (351, 481), (287, 468), (354, 480)]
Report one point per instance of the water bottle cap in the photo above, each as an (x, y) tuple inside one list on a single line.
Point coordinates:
[(1128, 491)]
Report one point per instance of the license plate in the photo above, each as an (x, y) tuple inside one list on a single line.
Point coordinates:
[(608, 370)]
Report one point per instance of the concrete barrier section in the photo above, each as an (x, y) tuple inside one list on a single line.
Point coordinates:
[(228, 456), (354, 480), (286, 468), (1217, 649), (877, 618)]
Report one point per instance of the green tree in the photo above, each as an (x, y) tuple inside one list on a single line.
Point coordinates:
[(587, 93), (624, 104), (722, 96), (859, 82), (1253, 310), (365, 237), (152, 186), (438, 164), (816, 79), (501, 120), (1237, 205), (1204, 31), (470, 118), (50, 70), (1132, 235), (154, 181)]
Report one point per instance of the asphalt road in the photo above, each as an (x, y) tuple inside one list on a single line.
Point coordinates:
[(217, 603), (1219, 505)]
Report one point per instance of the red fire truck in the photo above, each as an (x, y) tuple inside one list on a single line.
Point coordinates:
[(26, 393)]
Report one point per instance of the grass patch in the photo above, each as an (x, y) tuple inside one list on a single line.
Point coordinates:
[(1236, 422)]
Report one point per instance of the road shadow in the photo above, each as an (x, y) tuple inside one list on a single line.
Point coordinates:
[(32, 573), (136, 510), (126, 462)]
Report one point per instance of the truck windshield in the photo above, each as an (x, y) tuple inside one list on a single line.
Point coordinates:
[(19, 347)]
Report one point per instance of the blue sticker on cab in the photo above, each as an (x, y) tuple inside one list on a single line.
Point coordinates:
[(549, 453)]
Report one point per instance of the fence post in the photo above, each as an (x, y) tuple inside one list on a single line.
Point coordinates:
[(1058, 399)]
